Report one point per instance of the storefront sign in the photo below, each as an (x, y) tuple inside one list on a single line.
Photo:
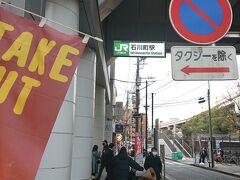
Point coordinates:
[(36, 68)]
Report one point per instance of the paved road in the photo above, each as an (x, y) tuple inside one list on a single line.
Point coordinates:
[(178, 171)]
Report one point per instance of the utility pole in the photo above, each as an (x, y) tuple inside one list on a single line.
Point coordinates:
[(146, 108), (127, 125), (137, 96), (152, 111), (153, 128), (127, 103), (156, 134), (202, 100), (210, 126)]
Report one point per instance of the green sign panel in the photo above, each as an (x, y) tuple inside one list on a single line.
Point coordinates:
[(139, 49), (121, 48)]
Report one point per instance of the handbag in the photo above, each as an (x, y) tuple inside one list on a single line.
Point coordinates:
[(150, 174)]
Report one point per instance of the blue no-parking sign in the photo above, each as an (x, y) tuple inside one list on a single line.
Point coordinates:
[(201, 21)]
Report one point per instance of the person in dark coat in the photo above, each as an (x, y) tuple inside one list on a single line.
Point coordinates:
[(109, 161), (121, 164), (154, 161), (103, 158), (95, 159), (203, 154)]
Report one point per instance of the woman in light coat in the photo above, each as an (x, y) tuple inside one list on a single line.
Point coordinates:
[(95, 160)]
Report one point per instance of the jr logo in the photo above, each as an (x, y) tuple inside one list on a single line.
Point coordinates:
[(121, 49)]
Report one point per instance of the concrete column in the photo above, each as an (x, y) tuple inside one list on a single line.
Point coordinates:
[(108, 130), (108, 123), (84, 117), (99, 120), (174, 130), (56, 161)]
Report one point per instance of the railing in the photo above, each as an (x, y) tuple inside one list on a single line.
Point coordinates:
[(168, 142), (182, 145)]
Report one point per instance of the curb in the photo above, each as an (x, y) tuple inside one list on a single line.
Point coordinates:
[(216, 170)]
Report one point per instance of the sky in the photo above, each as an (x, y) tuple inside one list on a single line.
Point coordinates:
[(172, 99)]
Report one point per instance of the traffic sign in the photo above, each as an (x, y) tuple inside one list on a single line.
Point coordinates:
[(204, 63), (201, 22)]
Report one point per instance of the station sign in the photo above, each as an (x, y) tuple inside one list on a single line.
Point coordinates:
[(139, 49), (204, 63), (201, 22)]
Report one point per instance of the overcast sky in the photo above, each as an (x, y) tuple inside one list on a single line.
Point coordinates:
[(172, 99)]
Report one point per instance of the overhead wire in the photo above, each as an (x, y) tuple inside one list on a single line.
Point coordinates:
[(167, 105), (177, 103), (124, 81), (163, 86), (182, 95)]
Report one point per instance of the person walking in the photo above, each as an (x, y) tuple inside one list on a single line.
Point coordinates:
[(203, 154), (109, 161), (154, 161), (95, 160), (103, 158), (121, 164)]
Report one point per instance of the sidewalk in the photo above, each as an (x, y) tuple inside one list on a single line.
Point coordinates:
[(226, 169), (104, 174)]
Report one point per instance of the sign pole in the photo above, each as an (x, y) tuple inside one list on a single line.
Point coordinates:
[(210, 127)]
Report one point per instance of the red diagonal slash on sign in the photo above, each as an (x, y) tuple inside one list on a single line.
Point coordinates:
[(187, 70)]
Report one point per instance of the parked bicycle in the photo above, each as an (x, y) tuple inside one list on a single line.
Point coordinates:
[(228, 159)]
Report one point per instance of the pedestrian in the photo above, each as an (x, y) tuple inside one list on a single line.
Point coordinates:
[(221, 153), (203, 154), (103, 158), (121, 164), (95, 160), (109, 161), (154, 161)]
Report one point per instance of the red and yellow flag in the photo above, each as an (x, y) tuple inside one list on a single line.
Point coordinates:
[(36, 68)]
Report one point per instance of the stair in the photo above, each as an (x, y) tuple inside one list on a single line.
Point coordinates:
[(183, 146), (168, 142)]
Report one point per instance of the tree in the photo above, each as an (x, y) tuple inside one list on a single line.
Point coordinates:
[(223, 122)]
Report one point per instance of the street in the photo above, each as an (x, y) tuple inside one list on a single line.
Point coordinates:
[(179, 171)]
